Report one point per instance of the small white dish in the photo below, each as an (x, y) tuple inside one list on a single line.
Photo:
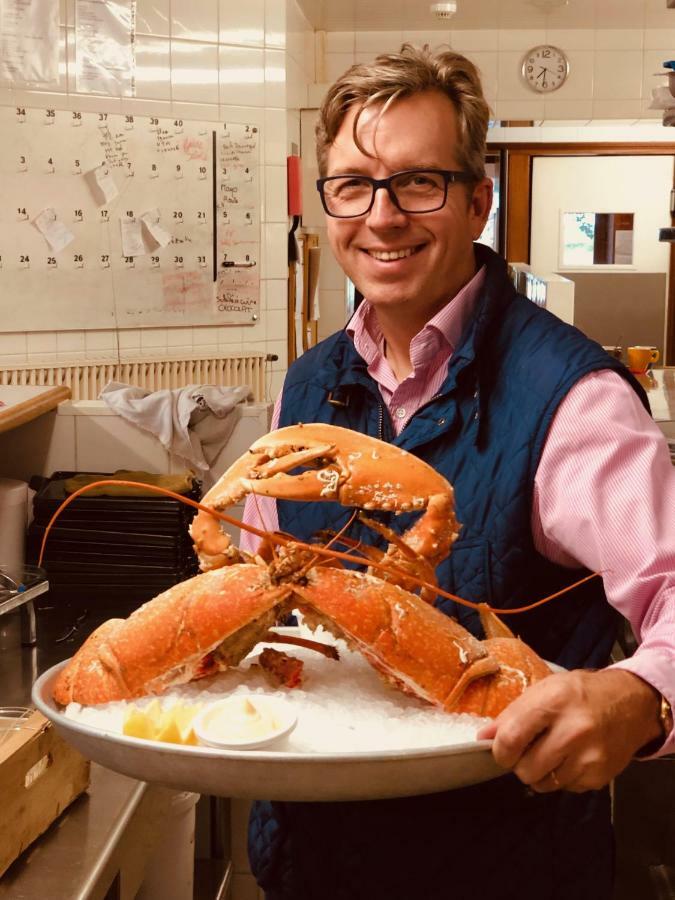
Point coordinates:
[(228, 725)]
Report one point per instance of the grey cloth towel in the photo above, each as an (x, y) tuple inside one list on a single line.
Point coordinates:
[(193, 422)]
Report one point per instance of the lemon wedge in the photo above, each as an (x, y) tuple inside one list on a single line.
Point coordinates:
[(172, 726), (142, 722)]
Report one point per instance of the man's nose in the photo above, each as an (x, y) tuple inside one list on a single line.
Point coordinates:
[(384, 211)]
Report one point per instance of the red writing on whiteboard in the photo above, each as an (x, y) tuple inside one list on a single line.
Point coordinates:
[(186, 291), (194, 148)]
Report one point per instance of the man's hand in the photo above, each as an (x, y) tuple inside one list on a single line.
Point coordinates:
[(575, 730)]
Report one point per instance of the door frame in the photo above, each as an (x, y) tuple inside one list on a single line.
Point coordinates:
[(517, 201)]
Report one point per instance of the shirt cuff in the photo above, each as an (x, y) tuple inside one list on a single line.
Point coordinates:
[(658, 671)]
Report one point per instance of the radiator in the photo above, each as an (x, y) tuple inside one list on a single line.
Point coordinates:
[(87, 379)]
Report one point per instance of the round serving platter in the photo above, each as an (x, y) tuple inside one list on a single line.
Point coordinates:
[(274, 774)]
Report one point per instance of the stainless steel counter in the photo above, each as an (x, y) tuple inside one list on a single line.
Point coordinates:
[(99, 846), (660, 387)]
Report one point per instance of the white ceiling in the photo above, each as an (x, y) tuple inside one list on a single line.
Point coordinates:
[(415, 15)]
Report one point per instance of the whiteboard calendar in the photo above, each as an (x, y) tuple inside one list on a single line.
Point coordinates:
[(126, 221)]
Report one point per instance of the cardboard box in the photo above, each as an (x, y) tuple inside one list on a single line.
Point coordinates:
[(40, 775)]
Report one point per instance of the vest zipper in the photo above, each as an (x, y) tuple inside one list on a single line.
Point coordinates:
[(431, 400)]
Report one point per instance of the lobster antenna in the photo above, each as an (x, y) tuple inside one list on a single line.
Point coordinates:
[(335, 537), (319, 551)]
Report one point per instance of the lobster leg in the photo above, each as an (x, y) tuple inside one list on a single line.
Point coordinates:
[(493, 625), (519, 666)]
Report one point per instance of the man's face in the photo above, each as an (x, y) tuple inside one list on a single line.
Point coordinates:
[(416, 131)]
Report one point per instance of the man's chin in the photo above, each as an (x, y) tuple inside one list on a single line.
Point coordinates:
[(392, 300)]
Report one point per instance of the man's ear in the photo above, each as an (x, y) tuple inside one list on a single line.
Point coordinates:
[(480, 205)]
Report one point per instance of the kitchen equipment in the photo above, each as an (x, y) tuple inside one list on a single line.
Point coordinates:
[(175, 881), (614, 350), (112, 546), (19, 593), (13, 505)]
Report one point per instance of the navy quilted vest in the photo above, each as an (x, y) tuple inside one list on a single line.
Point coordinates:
[(484, 431)]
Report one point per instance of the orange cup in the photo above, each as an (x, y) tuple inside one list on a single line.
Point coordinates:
[(641, 357)]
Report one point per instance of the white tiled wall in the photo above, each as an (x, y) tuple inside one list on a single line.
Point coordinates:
[(610, 82), (611, 70), (211, 60)]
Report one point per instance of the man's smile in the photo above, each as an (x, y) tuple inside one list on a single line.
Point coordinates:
[(389, 255)]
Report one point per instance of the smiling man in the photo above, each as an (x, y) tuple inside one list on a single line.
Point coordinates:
[(557, 469), (408, 244)]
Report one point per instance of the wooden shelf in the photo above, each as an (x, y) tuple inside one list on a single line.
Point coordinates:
[(23, 403)]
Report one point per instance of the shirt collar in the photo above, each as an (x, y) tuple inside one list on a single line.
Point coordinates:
[(449, 323)]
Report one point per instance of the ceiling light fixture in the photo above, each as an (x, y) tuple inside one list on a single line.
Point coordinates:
[(444, 10)]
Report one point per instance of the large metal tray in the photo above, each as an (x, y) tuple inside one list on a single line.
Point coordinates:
[(274, 774)]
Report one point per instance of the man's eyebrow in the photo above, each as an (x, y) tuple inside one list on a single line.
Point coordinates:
[(357, 170), (348, 170)]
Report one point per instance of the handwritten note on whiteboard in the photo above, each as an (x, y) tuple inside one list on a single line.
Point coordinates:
[(238, 278)]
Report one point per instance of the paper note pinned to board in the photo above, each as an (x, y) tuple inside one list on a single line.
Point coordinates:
[(53, 230), (132, 237), (102, 184), (151, 221)]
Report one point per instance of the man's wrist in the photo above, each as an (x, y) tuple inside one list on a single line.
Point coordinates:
[(664, 721)]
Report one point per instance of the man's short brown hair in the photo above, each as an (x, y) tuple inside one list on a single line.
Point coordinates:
[(394, 75)]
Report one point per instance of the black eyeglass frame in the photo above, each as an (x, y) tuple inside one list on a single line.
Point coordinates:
[(449, 177)]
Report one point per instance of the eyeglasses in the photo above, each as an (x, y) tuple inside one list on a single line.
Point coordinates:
[(412, 191)]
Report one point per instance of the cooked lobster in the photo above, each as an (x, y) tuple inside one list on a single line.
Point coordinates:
[(210, 622)]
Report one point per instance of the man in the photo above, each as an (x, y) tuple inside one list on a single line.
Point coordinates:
[(557, 467)]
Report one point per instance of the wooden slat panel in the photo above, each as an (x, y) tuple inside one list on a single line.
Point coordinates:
[(518, 202)]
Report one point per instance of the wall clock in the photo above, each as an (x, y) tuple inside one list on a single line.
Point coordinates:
[(545, 68)]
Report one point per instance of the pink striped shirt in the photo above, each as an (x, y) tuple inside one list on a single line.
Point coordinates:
[(604, 492)]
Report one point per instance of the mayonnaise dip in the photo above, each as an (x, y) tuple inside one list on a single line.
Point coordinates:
[(243, 721)]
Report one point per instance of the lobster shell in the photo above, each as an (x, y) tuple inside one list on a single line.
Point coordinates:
[(411, 644), (163, 642)]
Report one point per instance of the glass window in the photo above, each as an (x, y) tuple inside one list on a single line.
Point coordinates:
[(597, 239)]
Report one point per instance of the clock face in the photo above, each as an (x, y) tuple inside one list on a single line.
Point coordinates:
[(545, 68)]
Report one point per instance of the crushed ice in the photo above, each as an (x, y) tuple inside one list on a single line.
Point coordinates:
[(342, 706)]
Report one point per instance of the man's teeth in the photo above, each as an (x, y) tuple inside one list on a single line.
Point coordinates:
[(392, 254)]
